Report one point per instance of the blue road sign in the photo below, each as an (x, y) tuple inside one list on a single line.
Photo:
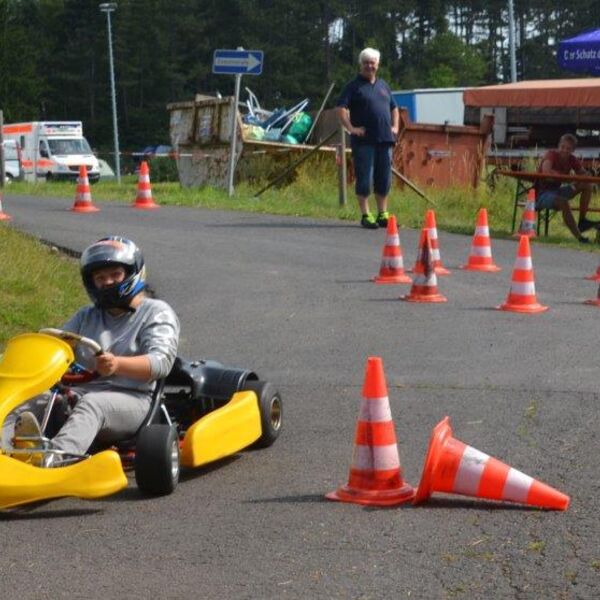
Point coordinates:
[(237, 62)]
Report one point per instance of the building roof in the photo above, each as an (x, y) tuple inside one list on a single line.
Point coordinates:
[(560, 93)]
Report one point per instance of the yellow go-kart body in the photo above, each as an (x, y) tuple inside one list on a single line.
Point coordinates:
[(32, 363)]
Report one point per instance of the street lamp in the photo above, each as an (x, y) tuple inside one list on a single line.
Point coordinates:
[(109, 7)]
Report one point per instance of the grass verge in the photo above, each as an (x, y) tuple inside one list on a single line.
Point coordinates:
[(314, 193), (40, 287)]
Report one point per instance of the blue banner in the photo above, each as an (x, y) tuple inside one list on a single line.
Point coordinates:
[(581, 53)]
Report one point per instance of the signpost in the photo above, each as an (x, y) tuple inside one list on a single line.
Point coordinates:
[(236, 62)]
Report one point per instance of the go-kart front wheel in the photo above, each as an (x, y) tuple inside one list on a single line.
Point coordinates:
[(271, 411), (157, 459)]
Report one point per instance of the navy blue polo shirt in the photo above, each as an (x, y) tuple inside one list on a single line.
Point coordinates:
[(370, 106)]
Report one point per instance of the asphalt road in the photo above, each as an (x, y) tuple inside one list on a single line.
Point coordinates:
[(291, 299)]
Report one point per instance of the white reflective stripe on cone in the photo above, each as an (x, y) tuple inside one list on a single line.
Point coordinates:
[(433, 233), (375, 410), (517, 486), (380, 458), (144, 179), (484, 251), (425, 281), (435, 254), (469, 472), (526, 288), (144, 194), (393, 240), (392, 262), (524, 263), (482, 230)]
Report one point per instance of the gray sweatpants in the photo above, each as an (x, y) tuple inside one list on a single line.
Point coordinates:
[(108, 416)]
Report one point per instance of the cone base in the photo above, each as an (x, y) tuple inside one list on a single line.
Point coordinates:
[(594, 302), (421, 298), (441, 271), (441, 432), (145, 205), (594, 277), (523, 308), (392, 279), (4, 217), (529, 234), (405, 493), (84, 208), (482, 268)]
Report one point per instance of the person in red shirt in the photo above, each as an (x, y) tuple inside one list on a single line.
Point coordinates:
[(551, 194)]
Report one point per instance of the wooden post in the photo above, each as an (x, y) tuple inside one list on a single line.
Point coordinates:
[(342, 174)]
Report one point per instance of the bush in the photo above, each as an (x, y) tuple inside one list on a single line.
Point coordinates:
[(163, 168)]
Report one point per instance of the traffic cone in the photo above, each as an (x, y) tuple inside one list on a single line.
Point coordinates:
[(144, 191), (521, 296), (431, 226), (595, 276), (595, 301), (3, 215), (528, 220), (83, 195), (480, 257), (392, 264), (424, 287), (455, 468), (375, 474)]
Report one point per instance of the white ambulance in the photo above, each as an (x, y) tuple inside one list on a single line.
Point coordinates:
[(53, 150)]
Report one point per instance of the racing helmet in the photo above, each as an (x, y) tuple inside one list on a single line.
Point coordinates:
[(112, 251)]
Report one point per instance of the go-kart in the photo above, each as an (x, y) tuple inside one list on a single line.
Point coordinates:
[(201, 412)]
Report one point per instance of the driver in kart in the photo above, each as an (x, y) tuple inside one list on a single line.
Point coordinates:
[(139, 336)]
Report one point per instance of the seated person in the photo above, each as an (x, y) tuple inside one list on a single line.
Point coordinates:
[(551, 194), (139, 336)]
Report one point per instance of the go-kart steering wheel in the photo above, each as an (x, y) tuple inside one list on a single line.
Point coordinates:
[(77, 375)]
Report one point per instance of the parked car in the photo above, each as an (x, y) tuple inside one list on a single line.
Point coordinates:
[(12, 160)]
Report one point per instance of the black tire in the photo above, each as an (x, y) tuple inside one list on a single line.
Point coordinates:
[(271, 411), (157, 459)]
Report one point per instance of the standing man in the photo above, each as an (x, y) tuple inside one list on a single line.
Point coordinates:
[(551, 194), (368, 111)]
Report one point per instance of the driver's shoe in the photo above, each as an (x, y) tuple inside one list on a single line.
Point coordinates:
[(28, 435)]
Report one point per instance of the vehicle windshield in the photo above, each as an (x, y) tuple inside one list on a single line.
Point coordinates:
[(69, 146)]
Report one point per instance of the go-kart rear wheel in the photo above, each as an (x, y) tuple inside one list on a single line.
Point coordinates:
[(271, 411), (157, 459)]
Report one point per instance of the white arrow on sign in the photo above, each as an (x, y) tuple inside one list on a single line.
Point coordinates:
[(249, 62)]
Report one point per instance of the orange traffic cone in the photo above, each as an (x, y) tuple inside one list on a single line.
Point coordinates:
[(528, 220), (431, 226), (83, 195), (480, 257), (375, 475), (455, 468), (3, 215), (392, 264), (596, 300), (521, 297), (595, 276), (424, 287), (144, 191)]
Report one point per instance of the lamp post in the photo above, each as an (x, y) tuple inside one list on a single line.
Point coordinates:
[(109, 7), (511, 41)]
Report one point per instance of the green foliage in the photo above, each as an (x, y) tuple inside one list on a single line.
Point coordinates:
[(163, 168)]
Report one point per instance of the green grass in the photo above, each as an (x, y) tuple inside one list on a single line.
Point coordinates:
[(314, 193), (40, 287)]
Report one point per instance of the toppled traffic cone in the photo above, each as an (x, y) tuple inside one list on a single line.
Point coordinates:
[(528, 220), (521, 297), (144, 191), (455, 468), (480, 257), (83, 195), (431, 226), (3, 215), (595, 301), (392, 264), (424, 287), (375, 474)]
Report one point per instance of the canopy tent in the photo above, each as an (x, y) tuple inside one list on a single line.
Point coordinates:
[(581, 53), (559, 93)]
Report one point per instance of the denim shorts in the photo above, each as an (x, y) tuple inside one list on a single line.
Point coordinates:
[(372, 165), (547, 199)]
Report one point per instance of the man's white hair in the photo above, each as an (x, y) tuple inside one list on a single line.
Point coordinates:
[(369, 54)]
